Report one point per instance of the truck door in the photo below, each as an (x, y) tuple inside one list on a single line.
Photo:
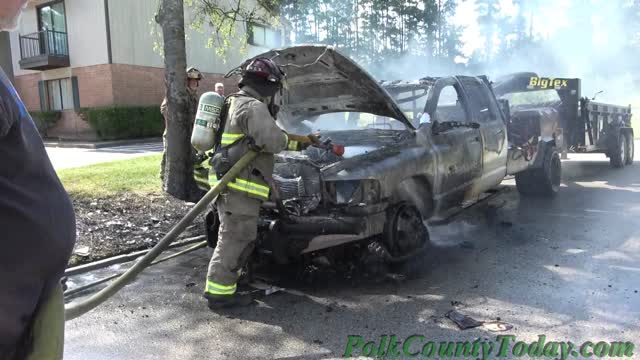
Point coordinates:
[(485, 111), (458, 149)]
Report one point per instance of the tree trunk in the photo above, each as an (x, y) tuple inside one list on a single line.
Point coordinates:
[(178, 177)]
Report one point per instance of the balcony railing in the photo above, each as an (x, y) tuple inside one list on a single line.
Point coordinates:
[(47, 49)]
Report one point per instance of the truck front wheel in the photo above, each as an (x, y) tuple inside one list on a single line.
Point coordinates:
[(617, 151), (405, 237), (543, 181), (630, 149)]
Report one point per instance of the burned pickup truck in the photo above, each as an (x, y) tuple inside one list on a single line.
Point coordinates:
[(586, 126), (414, 151)]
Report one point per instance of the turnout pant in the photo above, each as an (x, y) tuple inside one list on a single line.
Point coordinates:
[(40, 336), (236, 240)]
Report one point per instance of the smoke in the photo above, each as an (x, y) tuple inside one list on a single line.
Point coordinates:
[(589, 39), (454, 234)]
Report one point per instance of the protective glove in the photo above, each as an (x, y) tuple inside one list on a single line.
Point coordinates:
[(200, 157), (315, 138), (301, 142)]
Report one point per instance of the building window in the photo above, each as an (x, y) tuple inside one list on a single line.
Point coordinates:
[(52, 17), (59, 94), (264, 36), (52, 28)]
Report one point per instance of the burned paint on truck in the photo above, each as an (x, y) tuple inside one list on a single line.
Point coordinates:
[(414, 151)]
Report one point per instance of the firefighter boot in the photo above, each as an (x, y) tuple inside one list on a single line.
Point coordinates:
[(226, 301)]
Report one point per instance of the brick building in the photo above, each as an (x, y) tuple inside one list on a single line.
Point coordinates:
[(71, 54)]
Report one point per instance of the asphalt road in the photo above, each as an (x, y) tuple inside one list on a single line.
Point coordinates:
[(64, 158), (566, 268)]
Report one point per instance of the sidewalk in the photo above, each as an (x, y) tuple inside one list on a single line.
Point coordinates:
[(98, 144)]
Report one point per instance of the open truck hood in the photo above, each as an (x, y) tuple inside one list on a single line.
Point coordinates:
[(320, 80)]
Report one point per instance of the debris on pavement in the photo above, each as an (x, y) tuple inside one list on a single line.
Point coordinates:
[(496, 326), (466, 322), (467, 245), (266, 289), (463, 321), (396, 277), (82, 251)]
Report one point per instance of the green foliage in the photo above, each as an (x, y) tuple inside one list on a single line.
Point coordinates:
[(45, 120), (111, 123), (376, 31), (227, 21)]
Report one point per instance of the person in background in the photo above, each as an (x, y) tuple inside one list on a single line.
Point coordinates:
[(194, 76), (38, 229), (220, 89)]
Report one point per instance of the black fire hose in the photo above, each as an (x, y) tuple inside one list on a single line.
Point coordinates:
[(77, 309)]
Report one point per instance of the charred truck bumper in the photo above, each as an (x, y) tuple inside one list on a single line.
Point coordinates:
[(291, 236)]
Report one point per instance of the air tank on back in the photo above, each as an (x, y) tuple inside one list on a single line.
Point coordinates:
[(207, 121)]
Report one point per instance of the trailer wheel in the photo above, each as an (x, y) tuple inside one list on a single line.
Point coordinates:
[(543, 181), (617, 152), (629, 151)]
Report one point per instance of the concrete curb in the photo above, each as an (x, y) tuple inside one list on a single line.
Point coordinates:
[(99, 144)]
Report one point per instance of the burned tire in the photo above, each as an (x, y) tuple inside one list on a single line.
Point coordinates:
[(617, 152), (405, 234), (629, 150), (543, 181)]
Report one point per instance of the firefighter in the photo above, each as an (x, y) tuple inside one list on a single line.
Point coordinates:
[(38, 229), (249, 123), (194, 76)]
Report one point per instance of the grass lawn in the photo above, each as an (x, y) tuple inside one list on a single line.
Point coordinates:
[(138, 176)]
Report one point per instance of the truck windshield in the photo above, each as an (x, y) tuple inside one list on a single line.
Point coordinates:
[(537, 98), (344, 121)]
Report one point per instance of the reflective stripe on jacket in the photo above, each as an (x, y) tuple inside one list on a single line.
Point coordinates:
[(249, 120)]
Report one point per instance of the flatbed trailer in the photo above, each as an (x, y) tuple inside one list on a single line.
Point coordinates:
[(587, 126)]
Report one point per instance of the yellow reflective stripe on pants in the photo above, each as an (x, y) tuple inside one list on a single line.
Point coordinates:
[(229, 138), (244, 186), (219, 289)]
